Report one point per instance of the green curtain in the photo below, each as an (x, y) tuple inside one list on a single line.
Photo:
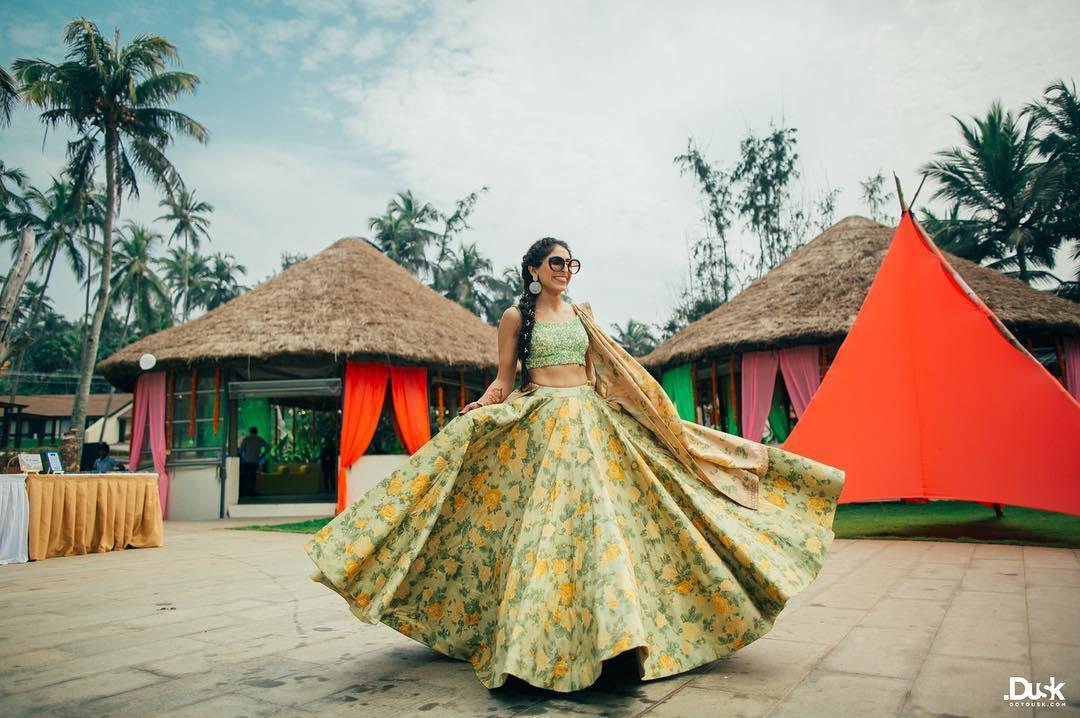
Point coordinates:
[(253, 412), (732, 424), (680, 390), (778, 418)]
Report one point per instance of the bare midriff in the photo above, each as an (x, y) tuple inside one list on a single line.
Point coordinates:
[(559, 375)]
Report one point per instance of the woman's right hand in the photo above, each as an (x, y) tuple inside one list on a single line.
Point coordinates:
[(470, 406)]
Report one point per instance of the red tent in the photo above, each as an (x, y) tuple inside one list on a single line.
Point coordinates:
[(930, 396)]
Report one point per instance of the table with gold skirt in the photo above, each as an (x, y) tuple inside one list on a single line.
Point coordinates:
[(74, 514)]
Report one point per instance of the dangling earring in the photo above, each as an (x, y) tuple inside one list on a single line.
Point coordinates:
[(534, 287)]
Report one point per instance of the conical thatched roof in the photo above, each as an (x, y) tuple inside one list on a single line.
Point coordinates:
[(814, 294), (348, 300)]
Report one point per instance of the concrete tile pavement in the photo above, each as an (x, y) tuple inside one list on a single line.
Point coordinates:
[(221, 623)]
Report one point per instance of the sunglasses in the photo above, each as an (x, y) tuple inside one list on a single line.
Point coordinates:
[(558, 263)]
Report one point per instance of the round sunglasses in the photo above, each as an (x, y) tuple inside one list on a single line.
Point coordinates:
[(557, 264)]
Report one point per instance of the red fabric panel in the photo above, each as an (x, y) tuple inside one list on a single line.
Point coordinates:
[(365, 389), (408, 387), (928, 398)]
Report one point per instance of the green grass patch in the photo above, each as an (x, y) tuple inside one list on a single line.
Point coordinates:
[(300, 527), (962, 521)]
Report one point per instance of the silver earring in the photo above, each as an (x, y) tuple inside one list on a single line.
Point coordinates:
[(534, 287)]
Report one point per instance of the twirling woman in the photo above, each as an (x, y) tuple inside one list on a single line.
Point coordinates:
[(547, 529)]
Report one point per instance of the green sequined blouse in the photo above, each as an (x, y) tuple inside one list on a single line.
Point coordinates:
[(557, 343)]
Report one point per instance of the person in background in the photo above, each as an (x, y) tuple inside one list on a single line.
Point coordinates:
[(105, 464), (252, 450)]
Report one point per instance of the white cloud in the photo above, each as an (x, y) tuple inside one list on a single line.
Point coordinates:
[(572, 113), (219, 37)]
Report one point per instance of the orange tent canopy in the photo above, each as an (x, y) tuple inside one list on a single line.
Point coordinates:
[(930, 396)]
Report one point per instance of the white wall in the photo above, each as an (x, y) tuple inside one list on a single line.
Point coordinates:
[(369, 470), (194, 493)]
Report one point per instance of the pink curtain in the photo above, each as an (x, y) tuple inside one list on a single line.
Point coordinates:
[(149, 415), (758, 380), (802, 375), (1072, 366)]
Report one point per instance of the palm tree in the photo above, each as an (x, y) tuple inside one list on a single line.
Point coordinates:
[(464, 276), (9, 96), (179, 266), (223, 284), (134, 281), (400, 235), (1059, 113), (1007, 193), (635, 337), (116, 98), (190, 223), (56, 222)]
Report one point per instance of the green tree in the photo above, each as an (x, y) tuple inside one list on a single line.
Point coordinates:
[(185, 271), (401, 233), (223, 282), (465, 276), (877, 198), (190, 223), (635, 337), (116, 99), (9, 96), (1004, 194), (766, 170), (134, 283), (55, 216), (1058, 112), (713, 272)]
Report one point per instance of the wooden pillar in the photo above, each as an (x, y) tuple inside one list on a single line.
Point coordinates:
[(439, 393)]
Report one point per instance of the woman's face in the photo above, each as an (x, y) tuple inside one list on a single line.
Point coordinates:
[(550, 279)]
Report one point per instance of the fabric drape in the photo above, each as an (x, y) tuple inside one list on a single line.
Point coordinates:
[(678, 384), (758, 381), (802, 375), (365, 389), (409, 389), (1071, 371), (149, 418)]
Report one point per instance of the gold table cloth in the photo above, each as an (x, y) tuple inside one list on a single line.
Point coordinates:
[(75, 514)]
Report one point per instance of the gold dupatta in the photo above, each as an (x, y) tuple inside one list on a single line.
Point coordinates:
[(727, 463)]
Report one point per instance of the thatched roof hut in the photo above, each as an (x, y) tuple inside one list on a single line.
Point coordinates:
[(813, 296), (349, 300)]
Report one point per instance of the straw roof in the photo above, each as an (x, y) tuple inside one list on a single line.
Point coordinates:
[(814, 295), (349, 300)]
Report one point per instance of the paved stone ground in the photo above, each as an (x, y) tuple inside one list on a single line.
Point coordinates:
[(227, 623)]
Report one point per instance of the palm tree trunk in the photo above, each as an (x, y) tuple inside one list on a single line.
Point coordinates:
[(112, 389), (90, 348), (30, 322), (187, 280), (13, 286)]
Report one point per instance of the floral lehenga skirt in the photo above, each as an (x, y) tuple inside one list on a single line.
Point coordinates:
[(541, 536)]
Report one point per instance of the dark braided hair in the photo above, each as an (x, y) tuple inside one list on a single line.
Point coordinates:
[(534, 257)]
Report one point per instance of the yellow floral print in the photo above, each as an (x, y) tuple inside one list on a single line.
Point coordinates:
[(577, 520)]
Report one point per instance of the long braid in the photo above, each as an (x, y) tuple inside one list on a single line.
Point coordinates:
[(535, 255)]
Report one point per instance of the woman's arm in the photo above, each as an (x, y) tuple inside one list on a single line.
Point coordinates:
[(503, 384), (589, 371)]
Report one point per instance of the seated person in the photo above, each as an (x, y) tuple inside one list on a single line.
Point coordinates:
[(105, 464)]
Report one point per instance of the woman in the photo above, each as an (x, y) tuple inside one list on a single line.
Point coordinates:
[(547, 529)]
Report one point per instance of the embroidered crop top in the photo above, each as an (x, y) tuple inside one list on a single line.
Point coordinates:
[(557, 343)]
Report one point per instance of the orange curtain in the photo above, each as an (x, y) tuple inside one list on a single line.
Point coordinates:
[(408, 387), (365, 389)]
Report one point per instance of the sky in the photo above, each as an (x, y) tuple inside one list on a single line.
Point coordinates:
[(571, 113)]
